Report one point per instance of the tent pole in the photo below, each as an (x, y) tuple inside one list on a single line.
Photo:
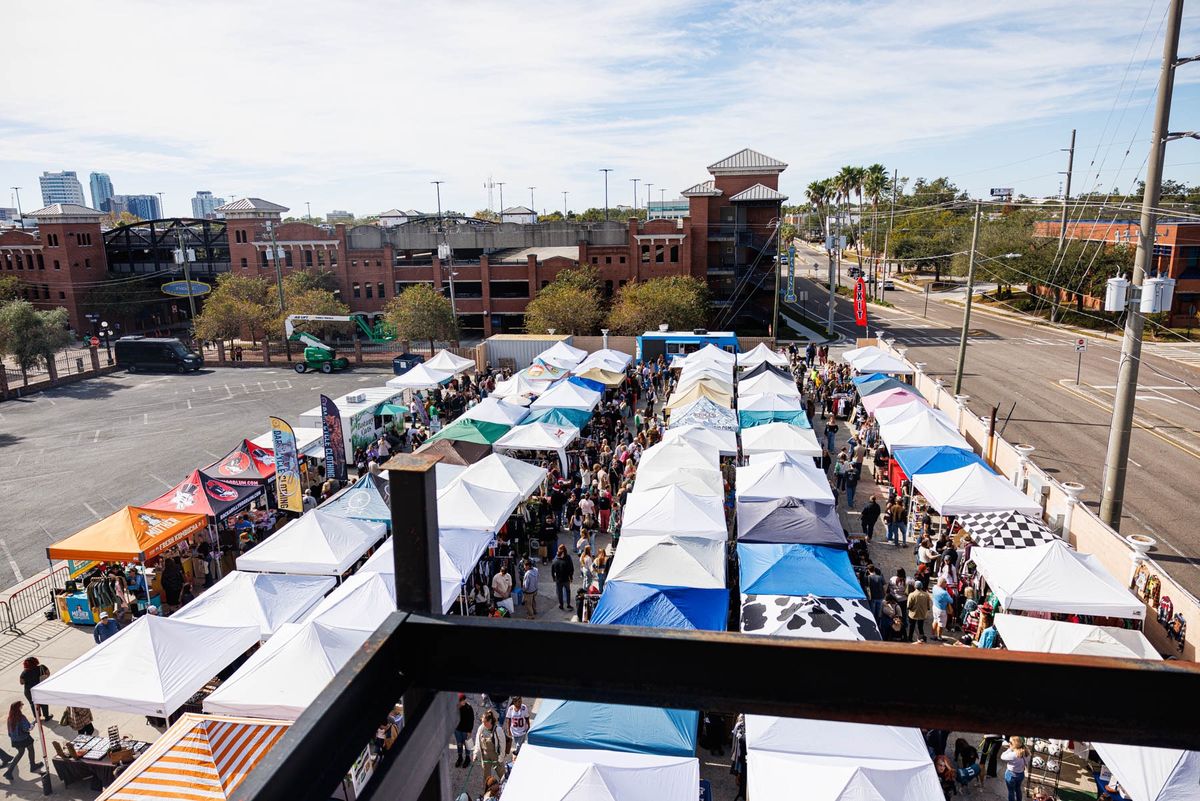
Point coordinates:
[(145, 581), (45, 754)]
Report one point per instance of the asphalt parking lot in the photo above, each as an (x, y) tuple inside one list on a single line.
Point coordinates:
[(74, 455)]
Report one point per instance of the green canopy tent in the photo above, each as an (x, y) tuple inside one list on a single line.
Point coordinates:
[(480, 432), (555, 416)]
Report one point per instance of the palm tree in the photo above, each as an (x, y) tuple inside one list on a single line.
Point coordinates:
[(818, 194), (875, 183)]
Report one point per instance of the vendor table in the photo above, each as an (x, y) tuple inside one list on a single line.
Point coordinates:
[(93, 762)]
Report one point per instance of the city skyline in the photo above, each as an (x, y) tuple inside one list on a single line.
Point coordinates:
[(943, 90)]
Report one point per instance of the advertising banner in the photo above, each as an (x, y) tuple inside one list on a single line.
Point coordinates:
[(333, 440), (287, 467), (860, 302)]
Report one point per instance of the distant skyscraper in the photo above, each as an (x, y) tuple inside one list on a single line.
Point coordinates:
[(61, 187), (142, 206), (204, 203), (102, 190)]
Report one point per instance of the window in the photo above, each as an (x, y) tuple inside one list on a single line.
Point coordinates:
[(245, 265), (608, 289), (379, 262), (674, 253), (262, 258), (62, 295), (320, 258), (57, 266), (41, 262), (381, 289), (645, 254), (659, 253), (239, 237), (308, 258), (353, 262), (399, 287), (29, 261), (87, 263), (370, 290), (357, 291), (545, 284), (287, 258), (595, 259), (52, 240), (621, 283), (622, 260), (608, 259)]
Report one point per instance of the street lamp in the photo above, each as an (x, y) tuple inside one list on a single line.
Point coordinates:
[(106, 334), (565, 193), (606, 171), (635, 195), (648, 185), (532, 207)]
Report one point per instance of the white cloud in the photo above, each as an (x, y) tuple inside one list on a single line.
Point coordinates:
[(358, 105)]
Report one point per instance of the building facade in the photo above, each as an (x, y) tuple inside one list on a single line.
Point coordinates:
[(204, 205), (1176, 255), (144, 207), (102, 190), (668, 209), (61, 187)]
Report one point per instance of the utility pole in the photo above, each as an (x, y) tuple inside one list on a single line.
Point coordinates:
[(831, 240), (635, 183), (1062, 226), (501, 185), (444, 251), (532, 207), (887, 265), (565, 193), (962, 339), (1112, 494), (287, 347), (606, 171), (20, 214), (308, 210), (183, 257)]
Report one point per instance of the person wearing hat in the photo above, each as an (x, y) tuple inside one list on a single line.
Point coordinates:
[(105, 628), (462, 730)]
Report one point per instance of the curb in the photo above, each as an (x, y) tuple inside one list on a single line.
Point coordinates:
[(1142, 420)]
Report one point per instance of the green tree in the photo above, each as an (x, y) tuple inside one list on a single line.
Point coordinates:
[(876, 182), (10, 288), (32, 336), (422, 312), (309, 278), (570, 304), (679, 301), (237, 304)]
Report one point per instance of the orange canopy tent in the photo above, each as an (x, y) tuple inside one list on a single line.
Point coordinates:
[(132, 534)]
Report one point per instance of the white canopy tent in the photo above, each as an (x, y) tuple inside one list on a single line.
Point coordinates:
[(872, 359), (711, 353), (698, 477), (561, 354), (686, 382), (543, 773), (758, 354), (767, 383), (283, 677), (1054, 578), (267, 600), (781, 475), (672, 510), (470, 506), (518, 389), (705, 370), (495, 471), (539, 437), (780, 437), (886, 415), (681, 454), (445, 360), (1153, 774), (725, 442), (568, 395), (460, 552), (317, 543), (670, 561), (422, 376), (837, 761), (497, 410), (361, 602), (923, 427), (606, 359), (973, 488), (771, 402), (1021, 633), (150, 667)]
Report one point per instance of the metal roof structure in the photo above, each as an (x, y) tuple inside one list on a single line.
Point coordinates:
[(251, 204), (747, 162), (518, 210), (66, 210), (702, 189), (758, 192)]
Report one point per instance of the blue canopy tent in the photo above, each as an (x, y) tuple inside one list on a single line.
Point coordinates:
[(365, 499), (587, 383), (616, 727), (935, 459), (628, 604), (866, 388), (554, 416), (796, 417), (777, 569)]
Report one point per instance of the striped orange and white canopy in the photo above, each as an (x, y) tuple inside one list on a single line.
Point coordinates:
[(200, 758)]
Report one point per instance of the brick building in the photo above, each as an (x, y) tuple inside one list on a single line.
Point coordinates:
[(1176, 254)]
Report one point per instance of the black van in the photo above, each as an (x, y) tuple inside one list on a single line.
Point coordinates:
[(155, 353)]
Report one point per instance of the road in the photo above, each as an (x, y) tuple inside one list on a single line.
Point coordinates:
[(1010, 362), (73, 455)]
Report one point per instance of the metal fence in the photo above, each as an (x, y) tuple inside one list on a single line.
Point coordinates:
[(31, 598)]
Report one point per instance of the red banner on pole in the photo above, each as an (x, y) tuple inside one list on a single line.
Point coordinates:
[(860, 302)]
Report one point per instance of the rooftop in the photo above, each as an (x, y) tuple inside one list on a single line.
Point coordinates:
[(518, 210), (65, 210), (251, 204), (521, 255), (758, 192), (702, 189), (746, 162)]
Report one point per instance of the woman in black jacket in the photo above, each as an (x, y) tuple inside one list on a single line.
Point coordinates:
[(562, 570)]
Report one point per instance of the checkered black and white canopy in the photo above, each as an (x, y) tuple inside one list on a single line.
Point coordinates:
[(1005, 530)]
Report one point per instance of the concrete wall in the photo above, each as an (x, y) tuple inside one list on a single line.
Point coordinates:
[(423, 236), (1084, 530)]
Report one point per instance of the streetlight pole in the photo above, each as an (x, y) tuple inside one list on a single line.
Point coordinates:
[(966, 325), (308, 212), (1112, 493), (606, 171), (1062, 225), (565, 193), (501, 185), (648, 185), (106, 333), (635, 183), (532, 207), (20, 214)]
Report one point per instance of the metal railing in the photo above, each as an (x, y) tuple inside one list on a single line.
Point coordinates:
[(31, 599)]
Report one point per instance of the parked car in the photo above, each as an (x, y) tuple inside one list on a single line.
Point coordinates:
[(155, 353), (856, 272)]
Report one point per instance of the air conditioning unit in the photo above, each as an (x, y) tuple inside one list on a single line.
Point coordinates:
[(357, 397)]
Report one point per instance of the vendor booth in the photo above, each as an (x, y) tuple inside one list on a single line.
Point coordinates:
[(768, 383), (461, 551), (699, 390), (673, 510), (470, 506), (1006, 529), (267, 600), (606, 359), (697, 478), (761, 354), (445, 360), (422, 376), (809, 617), (610, 379), (539, 437), (615, 727), (780, 475), (1153, 774), (784, 437), (205, 494), (837, 761), (872, 359), (670, 561), (1022, 633), (974, 488), (703, 378), (704, 412), (757, 410), (790, 569), (568, 395), (209, 755), (315, 544), (247, 464), (1053, 578), (518, 389), (584, 774), (626, 604), (130, 536), (360, 413), (784, 520), (456, 451), (679, 454), (563, 418), (560, 354), (724, 442), (283, 677), (923, 428), (871, 383), (496, 410), (896, 396), (504, 473), (151, 667), (466, 429), (361, 603)]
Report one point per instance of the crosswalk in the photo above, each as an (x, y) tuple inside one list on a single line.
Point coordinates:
[(953, 340), (1187, 352)]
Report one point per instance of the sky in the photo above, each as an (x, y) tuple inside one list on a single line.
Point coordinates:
[(359, 106)]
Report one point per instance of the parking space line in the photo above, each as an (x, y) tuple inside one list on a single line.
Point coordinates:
[(160, 481)]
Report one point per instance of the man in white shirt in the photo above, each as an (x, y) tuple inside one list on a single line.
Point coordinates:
[(516, 721), (502, 585)]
